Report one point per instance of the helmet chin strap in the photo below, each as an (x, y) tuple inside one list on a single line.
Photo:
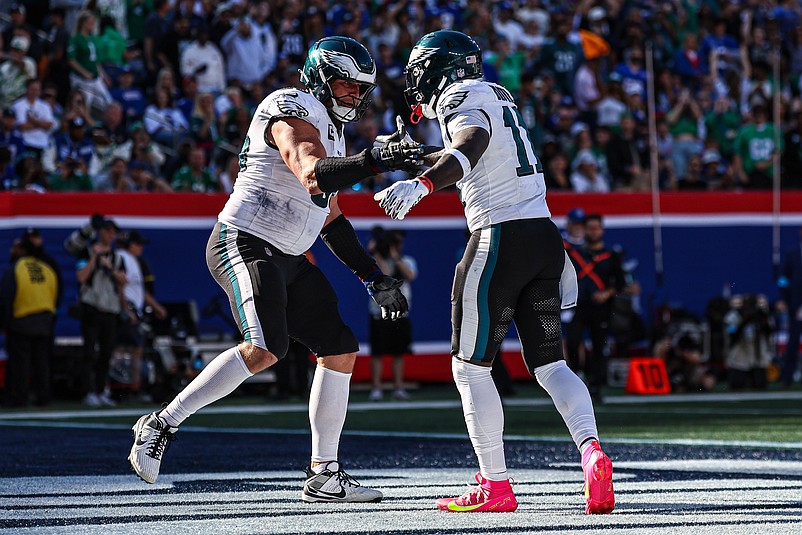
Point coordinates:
[(417, 114)]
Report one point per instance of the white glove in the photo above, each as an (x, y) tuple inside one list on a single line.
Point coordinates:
[(398, 199)]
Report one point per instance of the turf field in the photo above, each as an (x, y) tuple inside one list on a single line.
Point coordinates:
[(694, 464)]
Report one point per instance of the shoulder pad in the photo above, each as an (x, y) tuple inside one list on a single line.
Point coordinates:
[(468, 95), (289, 103)]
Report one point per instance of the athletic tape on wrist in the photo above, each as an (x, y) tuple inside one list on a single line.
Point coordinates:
[(462, 159)]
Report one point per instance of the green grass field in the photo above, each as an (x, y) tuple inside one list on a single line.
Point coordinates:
[(661, 418)]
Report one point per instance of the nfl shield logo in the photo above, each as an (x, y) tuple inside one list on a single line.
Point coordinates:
[(460, 73)]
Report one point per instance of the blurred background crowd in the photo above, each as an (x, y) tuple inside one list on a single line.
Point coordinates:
[(157, 95)]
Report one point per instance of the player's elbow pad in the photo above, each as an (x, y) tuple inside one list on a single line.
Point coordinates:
[(335, 173)]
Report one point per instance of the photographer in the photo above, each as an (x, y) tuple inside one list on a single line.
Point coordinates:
[(101, 274), (749, 326), (390, 338)]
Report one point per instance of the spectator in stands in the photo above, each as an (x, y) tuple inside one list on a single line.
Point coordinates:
[(20, 26), (143, 179), (791, 156), (611, 108), (116, 179), (632, 70), (164, 123), (243, 52), (156, 29), (688, 62), (755, 152), (718, 47), (29, 293), (129, 96), (203, 124), (722, 123), (57, 69), (111, 47), (10, 135), (203, 60), (683, 121), (140, 148), (175, 41), (100, 272), (586, 178), (165, 79), (693, 179), (87, 74), (75, 108), (8, 177), (626, 156), (30, 175), (263, 32), (73, 143), (562, 56), (71, 175), (194, 176), (556, 175), (34, 118), (16, 69)]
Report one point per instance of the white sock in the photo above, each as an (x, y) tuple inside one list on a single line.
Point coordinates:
[(484, 416), (328, 403), (571, 397), (217, 380)]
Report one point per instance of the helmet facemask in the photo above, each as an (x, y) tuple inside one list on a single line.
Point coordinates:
[(340, 58), (438, 60)]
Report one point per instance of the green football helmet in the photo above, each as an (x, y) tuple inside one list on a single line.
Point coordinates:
[(339, 58), (438, 60)]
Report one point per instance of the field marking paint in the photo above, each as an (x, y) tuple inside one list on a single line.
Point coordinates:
[(702, 443)]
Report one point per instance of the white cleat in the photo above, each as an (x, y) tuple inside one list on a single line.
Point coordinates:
[(152, 437), (334, 485)]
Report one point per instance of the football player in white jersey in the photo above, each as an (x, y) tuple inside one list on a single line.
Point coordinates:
[(291, 166), (514, 266)]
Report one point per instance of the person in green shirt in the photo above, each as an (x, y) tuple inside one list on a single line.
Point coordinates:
[(755, 152), (723, 123), (110, 44), (194, 176), (86, 74), (682, 122), (71, 176)]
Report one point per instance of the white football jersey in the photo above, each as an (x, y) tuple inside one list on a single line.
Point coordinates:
[(507, 182), (268, 200)]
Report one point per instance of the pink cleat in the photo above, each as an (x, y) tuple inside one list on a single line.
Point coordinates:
[(486, 497), (599, 497)]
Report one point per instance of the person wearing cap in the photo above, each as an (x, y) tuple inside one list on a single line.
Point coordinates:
[(600, 276), (73, 145), (101, 274), (19, 25), (16, 70), (29, 295), (585, 177), (34, 118), (86, 74), (137, 294), (574, 235), (129, 95)]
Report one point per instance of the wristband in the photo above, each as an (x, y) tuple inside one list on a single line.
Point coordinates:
[(461, 158), (426, 182)]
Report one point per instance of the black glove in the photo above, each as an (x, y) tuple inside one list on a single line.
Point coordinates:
[(398, 151), (386, 291)]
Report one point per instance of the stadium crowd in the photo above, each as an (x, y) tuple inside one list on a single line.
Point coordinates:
[(156, 95)]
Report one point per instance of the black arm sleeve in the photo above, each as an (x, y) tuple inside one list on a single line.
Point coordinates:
[(341, 238), (333, 174)]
